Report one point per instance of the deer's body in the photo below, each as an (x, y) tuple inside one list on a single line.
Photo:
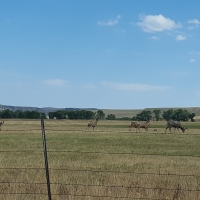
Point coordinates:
[(138, 126), (1, 123), (92, 124), (134, 125), (145, 125), (175, 125)]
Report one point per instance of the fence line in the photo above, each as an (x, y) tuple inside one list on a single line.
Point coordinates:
[(98, 171), (106, 153), (93, 185), (101, 131), (105, 186), (103, 171)]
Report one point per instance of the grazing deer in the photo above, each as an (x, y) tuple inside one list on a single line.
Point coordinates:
[(175, 125), (1, 123), (92, 124)]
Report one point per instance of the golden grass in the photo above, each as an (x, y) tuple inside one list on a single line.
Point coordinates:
[(109, 163)]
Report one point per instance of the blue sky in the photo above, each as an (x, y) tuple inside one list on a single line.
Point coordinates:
[(105, 54)]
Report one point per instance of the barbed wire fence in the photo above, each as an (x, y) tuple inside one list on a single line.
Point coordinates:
[(113, 188)]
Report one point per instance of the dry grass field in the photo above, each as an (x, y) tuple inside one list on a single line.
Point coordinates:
[(108, 163)]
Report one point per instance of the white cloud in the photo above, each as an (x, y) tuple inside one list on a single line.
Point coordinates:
[(156, 23), (132, 86), (155, 38), (110, 22), (194, 52), (194, 21), (180, 37), (55, 82), (192, 60)]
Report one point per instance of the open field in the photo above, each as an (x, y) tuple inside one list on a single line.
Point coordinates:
[(109, 163)]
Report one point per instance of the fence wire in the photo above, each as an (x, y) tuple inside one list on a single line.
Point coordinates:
[(95, 171)]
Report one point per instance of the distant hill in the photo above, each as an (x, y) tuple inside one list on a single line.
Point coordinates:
[(117, 112)]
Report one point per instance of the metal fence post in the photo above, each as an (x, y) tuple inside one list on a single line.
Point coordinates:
[(46, 159)]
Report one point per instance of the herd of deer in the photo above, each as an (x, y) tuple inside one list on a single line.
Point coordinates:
[(137, 125)]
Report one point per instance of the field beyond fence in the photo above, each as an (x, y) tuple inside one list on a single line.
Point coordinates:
[(108, 163)]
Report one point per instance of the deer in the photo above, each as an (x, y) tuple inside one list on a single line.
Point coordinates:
[(145, 125), (134, 125), (137, 125), (175, 125), (92, 124), (1, 123)]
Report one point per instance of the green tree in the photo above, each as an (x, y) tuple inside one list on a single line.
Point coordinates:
[(145, 115), (110, 117), (157, 114), (7, 114), (167, 115), (100, 114), (180, 115), (191, 116)]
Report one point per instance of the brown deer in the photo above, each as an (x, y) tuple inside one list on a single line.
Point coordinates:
[(1, 123), (135, 125), (145, 125), (138, 126), (92, 124)]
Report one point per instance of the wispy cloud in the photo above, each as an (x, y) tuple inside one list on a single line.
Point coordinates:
[(154, 38), (118, 17), (156, 23), (192, 60), (194, 52), (180, 37), (194, 24), (194, 21), (55, 82), (133, 86), (110, 22)]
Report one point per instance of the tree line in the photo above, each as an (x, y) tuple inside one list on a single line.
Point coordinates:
[(178, 115), (7, 114)]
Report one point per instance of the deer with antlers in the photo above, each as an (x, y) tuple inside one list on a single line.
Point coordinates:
[(92, 124)]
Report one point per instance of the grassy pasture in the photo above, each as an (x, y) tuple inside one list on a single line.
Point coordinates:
[(109, 163)]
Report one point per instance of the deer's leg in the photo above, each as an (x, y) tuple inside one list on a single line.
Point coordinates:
[(166, 129)]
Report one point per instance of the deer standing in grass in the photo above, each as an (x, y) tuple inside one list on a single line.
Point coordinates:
[(135, 125), (138, 126), (1, 123), (175, 124), (145, 125), (92, 124)]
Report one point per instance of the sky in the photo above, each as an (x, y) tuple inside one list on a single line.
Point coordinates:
[(105, 54)]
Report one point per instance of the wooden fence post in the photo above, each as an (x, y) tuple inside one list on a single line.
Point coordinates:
[(46, 159)]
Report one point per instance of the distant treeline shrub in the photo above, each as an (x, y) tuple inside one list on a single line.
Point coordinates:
[(77, 114), (178, 115), (7, 114)]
